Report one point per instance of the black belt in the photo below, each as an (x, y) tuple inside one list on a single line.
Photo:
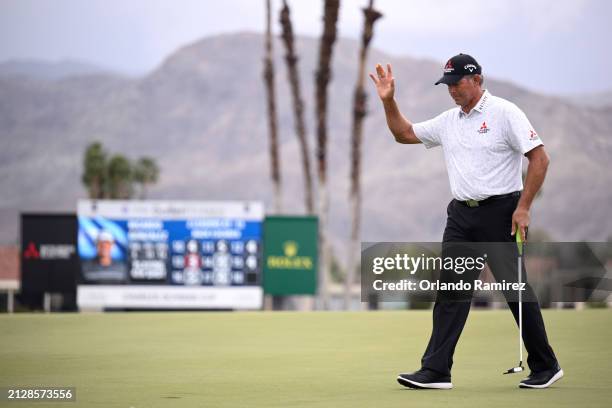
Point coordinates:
[(475, 203)]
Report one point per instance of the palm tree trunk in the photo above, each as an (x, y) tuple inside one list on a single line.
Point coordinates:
[(268, 75), (143, 191), (359, 113), (95, 190), (298, 104), (322, 77)]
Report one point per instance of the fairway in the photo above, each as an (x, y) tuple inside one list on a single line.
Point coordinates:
[(288, 359)]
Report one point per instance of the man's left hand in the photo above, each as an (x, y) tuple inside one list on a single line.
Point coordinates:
[(520, 219)]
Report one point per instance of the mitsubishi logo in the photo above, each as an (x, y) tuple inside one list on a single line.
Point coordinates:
[(31, 252)]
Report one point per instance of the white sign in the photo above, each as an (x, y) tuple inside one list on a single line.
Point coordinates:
[(168, 297), (169, 210)]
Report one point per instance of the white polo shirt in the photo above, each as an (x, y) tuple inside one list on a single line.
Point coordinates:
[(484, 148)]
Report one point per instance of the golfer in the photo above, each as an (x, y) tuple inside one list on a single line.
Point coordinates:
[(484, 140)]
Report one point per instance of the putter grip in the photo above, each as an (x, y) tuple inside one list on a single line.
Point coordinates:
[(519, 239)]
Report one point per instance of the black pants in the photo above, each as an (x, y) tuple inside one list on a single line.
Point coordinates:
[(488, 223)]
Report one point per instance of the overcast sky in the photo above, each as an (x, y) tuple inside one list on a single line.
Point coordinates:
[(552, 46)]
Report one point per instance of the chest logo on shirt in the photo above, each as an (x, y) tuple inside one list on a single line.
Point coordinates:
[(483, 128)]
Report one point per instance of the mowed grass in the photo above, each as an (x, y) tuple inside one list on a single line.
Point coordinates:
[(288, 359)]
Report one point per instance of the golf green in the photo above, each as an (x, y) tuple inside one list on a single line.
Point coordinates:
[(288, 359)]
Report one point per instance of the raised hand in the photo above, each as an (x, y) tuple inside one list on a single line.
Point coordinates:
[(384, 81)]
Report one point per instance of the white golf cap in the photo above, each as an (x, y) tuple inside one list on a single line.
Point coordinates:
[(105, 235)]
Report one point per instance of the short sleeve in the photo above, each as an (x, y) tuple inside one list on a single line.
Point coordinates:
[(430, 131), (521, 135)]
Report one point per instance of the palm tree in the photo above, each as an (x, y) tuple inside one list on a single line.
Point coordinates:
[(322, 78), (94, 176), (120, 174), (298, 103), (146, 172), (359, 113), (268, 75)]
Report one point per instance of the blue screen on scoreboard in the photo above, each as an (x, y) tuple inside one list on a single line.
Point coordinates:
[(190, 252)]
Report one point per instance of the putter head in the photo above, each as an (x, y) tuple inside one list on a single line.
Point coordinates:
[(515, 370)]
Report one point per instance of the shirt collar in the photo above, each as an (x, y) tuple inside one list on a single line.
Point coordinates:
[(480, 107)]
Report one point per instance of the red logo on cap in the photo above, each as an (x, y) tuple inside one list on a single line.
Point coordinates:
[(31, 252), (483, 128), (448, 67)]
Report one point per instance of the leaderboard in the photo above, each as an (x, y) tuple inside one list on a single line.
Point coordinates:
[(170, 254)]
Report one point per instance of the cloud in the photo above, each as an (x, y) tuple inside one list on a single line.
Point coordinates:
[(136, 35), (462, 18), (544, 16)]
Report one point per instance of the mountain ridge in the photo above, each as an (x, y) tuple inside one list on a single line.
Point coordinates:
[(201, 113)]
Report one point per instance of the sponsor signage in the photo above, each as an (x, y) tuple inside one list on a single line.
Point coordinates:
[(49, 261), (290, 255)]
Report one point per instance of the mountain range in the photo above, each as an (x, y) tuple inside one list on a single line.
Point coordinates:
[(201, 114), (49, 70)]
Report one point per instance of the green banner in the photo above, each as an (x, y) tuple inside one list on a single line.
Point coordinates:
[(290, 255)]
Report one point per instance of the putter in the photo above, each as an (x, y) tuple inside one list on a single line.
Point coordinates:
[(519, 243)]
